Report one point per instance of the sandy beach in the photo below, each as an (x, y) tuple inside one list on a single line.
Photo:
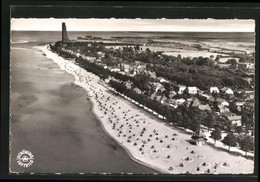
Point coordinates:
[(51, 117), (146, 138)]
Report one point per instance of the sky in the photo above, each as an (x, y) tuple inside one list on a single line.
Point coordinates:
[(112, 24)]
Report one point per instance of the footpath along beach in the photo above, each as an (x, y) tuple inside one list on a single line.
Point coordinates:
[(146, 138)]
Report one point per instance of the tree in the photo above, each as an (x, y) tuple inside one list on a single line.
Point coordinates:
[(185, 121), (210, 120), (216, 135), (195, 125), (230, 140), (239, 129), (217, 57), (141, 81), (232, 62), (246, 144)]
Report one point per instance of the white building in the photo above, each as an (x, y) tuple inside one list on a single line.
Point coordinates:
[(181, 89), (180, 101), (214, 90), (229, 91), (137, 90), (192, 90)]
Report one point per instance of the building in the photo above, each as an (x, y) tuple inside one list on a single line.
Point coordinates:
[(78, 54), (204, 107), (235, 120), (141, 67), (181, 89), (214, 90), (198, 139), (65, 36), (192, 90), (161, 79), (205, 96), (248, 107), (128, 85), (172, 94), (158, 87), (223, 109), (101, 54), (137, 90), (126, 68), (115, 69), (227, 90), (180, 101), (152, 74), (239, 103), (224, 103), (242, 65), (195, 103)]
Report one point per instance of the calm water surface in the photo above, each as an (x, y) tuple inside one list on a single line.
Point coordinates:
[(52, 118)]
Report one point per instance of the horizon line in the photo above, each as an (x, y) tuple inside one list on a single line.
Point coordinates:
[(132, 31)]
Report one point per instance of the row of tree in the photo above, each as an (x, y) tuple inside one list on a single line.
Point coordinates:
[(245, 142)]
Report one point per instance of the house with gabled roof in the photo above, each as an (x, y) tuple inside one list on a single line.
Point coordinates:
[(195, 103), (204, 107), (227, 90), (214, 90)]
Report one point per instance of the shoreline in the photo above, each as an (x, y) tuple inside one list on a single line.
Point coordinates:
[(148, 161), (93, 106), (52, 119), (114, 139), (127, 151)]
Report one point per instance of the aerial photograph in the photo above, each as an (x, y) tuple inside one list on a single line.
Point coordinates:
[(132, 96)]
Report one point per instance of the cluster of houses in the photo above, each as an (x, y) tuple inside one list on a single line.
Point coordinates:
[(171, 99)]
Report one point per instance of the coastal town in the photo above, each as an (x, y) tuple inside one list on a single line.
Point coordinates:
[(209, 98)]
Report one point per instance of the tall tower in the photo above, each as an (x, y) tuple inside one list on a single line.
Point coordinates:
[(65, 36)]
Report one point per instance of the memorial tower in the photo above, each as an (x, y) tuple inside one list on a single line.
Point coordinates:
[(65, 36)]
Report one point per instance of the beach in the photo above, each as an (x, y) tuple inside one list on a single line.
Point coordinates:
[(147, 139), (52, 118)]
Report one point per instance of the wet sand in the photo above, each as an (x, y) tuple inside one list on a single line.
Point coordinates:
[(52, 118)]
